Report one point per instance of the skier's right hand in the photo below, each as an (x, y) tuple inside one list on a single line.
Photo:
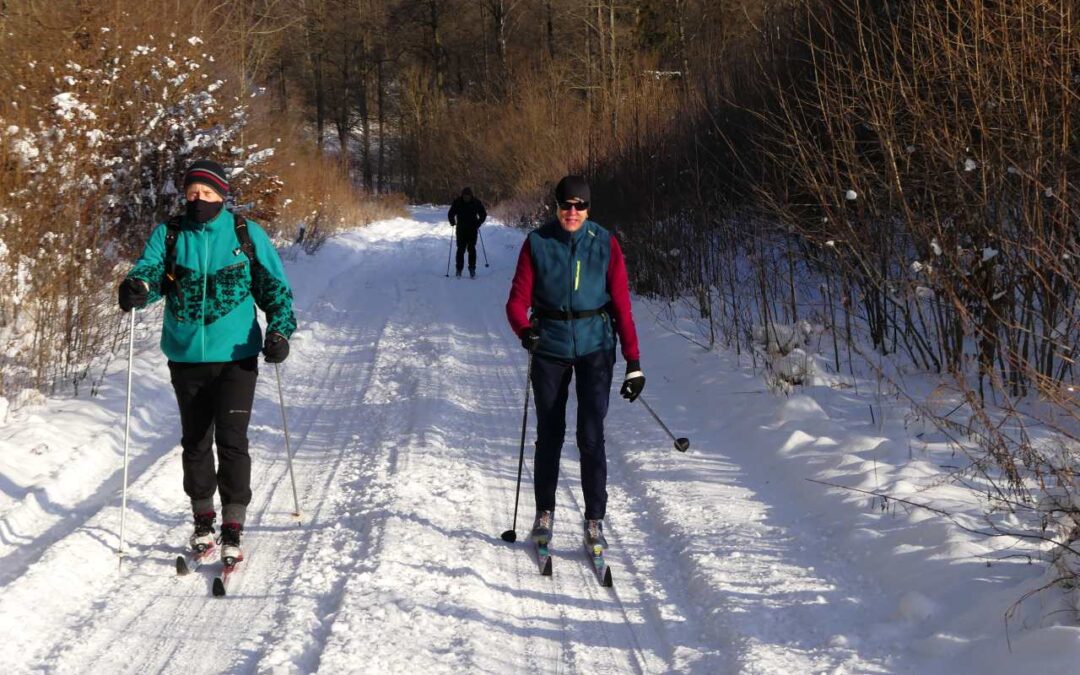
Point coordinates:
[(530, 338), (133, 294)]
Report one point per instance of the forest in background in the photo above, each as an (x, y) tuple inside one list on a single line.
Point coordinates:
[(900, 174)]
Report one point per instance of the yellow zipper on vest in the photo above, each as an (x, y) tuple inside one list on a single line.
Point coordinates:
[(577, 276)]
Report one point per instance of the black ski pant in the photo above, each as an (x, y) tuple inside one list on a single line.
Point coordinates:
[(215, 405), (466, 240), (551, 389)]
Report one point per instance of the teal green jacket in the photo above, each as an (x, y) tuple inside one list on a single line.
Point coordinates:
[(210, 314)]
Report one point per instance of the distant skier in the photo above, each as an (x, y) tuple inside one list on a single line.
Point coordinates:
[(571, 272), (467, 214), (213, 268)]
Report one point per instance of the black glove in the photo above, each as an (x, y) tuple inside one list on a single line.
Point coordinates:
[(133, 294), (276, 348), (634, 382), (530, 338)]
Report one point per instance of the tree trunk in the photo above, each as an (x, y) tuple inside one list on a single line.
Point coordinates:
[(365, 128), (437, 48), (380, 86), (549, 26)]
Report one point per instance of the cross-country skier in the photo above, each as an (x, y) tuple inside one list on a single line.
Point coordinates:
[(467, 214), (571, 272), (213, 268)]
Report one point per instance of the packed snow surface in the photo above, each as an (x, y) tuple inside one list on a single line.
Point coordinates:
[(404, 394)]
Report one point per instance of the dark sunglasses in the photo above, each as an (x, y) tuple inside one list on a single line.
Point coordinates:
[(580, 206)]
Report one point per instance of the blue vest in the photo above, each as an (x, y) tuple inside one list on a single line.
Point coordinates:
[(570, 276)]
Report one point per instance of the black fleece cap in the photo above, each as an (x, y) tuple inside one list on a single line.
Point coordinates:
[(572, 187)]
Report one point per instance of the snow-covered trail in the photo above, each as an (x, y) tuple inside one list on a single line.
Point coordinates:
[(404, 393)]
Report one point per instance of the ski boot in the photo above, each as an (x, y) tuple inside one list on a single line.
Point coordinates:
[(230, 543), (542, 526), (472, 274), (594, 537), (202, 539)]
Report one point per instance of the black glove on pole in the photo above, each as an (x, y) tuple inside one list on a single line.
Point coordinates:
[(276, 348), (530, 338), (634, 382), (133, 294)]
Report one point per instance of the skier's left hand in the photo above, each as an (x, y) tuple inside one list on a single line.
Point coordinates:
[(276, 348), (634, 382)]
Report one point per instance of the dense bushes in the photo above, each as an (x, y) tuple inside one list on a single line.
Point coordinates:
[(937, 152), (904, 173)]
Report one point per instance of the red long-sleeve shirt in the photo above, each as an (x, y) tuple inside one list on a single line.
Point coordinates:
[(618, 286)]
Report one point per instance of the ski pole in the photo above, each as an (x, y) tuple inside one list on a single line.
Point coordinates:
[(288, 449), (483, 248), (449, 251), (510, 536), (681, 444), (127, 436)]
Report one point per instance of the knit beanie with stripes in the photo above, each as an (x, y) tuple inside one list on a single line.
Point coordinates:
[(208, 173)]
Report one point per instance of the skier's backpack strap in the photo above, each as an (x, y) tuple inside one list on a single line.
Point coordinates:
[(244, 237), (172, 233)]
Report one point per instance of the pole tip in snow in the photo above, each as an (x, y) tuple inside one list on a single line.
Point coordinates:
[(509, 536), (682, 444)]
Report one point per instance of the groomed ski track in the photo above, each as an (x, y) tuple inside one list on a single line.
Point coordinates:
[(404, 392)]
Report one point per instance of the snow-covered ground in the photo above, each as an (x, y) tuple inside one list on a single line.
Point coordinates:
[(404, 393)]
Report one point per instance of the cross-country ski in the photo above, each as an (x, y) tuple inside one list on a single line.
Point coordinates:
[(223, 578), (543, 559), (192, 560)]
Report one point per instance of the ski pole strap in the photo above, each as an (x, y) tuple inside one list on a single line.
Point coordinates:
[(559, 315)]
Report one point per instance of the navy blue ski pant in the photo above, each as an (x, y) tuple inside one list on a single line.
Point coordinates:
[(551, 389)]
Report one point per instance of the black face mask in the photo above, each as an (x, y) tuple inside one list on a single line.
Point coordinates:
[(203, 212)]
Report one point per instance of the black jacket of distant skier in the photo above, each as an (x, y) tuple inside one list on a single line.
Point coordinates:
[(467, 214)]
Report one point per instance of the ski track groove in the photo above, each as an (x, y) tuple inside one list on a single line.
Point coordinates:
[(318, 515), (384, 424), (532, 577), (589, 580), (357, 464), (555, 585)]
